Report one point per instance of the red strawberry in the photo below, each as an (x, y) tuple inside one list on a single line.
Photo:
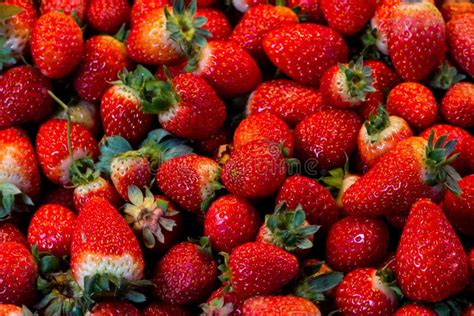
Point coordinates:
[(141, 7), (103, 19), (162, 309), (279, 305), (460, 209), (114, 309), (84, 113), (217, 23), (12, 310), (457, 105), (10, 233), (186, 274), (190, 181), (413, 102), (427, 240), (455, 8), (291, 101), (414, 310), (23, 96), (416, 40), (87, 187), (104, 57), (460, 34), (229, 222), (60, 195), (319, 48), (18, 271), (56, 44), (77, 7), (327, 138), (51, 229), (256, 170), (365, 292), (380, 23), (349, 17), (356, 242), (309, 9)]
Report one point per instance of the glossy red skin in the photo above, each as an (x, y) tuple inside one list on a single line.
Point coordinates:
[(141, 7), (319, 48), (228, 297), (20, 26), (67, 6), (60, 195), (104, 57), (217, 23), (310, 8), (414, 103), (18, 271), (23, 96), (256, 170), (114, 309), (51, 229), (11, 310), (316, 200), (229, 69), (256, 23), (11, 233), (258, 268), (182, 179), (414, 310), (127, 171), (348, 17), (460, 32), (229, 222), (279, 305), (356, 242), (185, 275), (162, 309), (356, 295), (428, 239), (460, 209), (454, 8), (457, 105), (51, 147), (99, 187), (56, 44), (290, 100), (323, 139), (417, 55), (210, 145), (18, 163), (385, 78), (103, 19)]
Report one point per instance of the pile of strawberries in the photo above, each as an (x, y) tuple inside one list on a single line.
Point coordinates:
[(244, 157)]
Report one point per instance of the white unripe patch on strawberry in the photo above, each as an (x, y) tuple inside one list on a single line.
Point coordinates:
[(66, 163), (170, 113), (343, 90), (16, 38), (10, 170), (205, 54), (90, 187), (381, 42), (210, 175), (379, 285)]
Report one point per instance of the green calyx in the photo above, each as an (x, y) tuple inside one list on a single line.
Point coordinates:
[(83, 171), (387, 277), (122, 34), (377, 123), (369, 43), (225, 272), (6, 54), (47, 263), (111, 148), (439, 156), (335, 178), (217, 307), (288, 230), (12, 199), (358, 79), (9, 10), (211, 192), (446, 77), (205, 245)]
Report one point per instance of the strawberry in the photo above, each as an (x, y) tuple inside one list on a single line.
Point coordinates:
[(18, 271), (256, 170), (210, 145), (419, 51), (186, 274), (217, 23), (350, 17), (460, 33), (114, 308), (426, 239), (82, 112), (366, 291), (23, 96), (380, 23), (457, 105), (327, 138), (12, 310), (413, 102), (94, 185), (379, 134), (104, 57), (162, 309), (279, 305), (319, 48), (10, 233), (56, 44), (104, 20), (224, 302), (460, 209), (77, 7), (244, 5), (229, 222), (190, 181), (356, 242), (141, 7), (291, 101), (310, 10), (455, 8), (413, 169), (60, 195), (414, 310)]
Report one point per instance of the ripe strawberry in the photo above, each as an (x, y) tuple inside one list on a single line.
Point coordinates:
[(256, 170), (327, 138), (310, 10), (365, 292), (59, 195), (455, 8), (217, 23), (356, 242), (426, 239), (162, 309), (186, 274), (12, 310), (104, 57), (291, 101), (414, 310), (10, 233), (141, 7), (413, 102), (349, 17), (229, 222), (18, 271), (56, 44), (460, 209), (94, 185), (460, 33), (78, 7), (83, 113), (114, 308), (190, 181), (103, 19), (279, 305), (379, 134), (380, 23), (23, 96), (457, 105), (319, 48), (420, 50)]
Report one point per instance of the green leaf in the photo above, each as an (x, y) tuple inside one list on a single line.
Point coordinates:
[(326, 281), (8, 10), (135, 297)]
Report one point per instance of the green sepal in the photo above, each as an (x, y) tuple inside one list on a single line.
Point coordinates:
[(8, 10), (26, 312), (83, 171), (6, 54), (205, 245), (225, 271), (111, 148), (369, 41), (217, 306), (122, 34), (387, 277), (445, 77), (215, 187), (358, 79), (377, 123), (47, 263), (12, 199), (333, 182)]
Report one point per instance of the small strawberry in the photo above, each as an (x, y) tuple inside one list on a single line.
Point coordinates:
[(223, 301), (229, 222), (77, 7), (56, 44), (413, 102), (460, 209), (460, 34), (349, 17), (11, 233), (414, 310), (103, 19), (457, 105), (279, 305), (114, 308), (186, 274), (162, 309), (81, 112), (141, 7), (217, 23), (428, 239), (93, 185), (319, 48)]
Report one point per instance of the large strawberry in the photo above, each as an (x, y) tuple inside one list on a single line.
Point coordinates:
[(348, 17), (460, 31), (279, 305), (460, 209), (457, 105), (427, 240), (77, 7), (103, 19)]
